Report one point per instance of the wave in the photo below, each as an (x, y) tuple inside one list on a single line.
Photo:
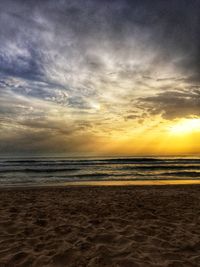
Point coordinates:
[(101, 161), (185, 174), (38, 170), (160, 167)]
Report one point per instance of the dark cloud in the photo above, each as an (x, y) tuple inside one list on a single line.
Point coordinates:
[(174, 104), (24, 66), (172, 26)]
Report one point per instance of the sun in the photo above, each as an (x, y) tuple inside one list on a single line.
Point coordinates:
[(185, 126)]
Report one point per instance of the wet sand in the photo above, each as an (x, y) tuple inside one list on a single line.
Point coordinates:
[(100, 226)]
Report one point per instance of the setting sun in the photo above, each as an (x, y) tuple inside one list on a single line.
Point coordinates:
[(186, 126)]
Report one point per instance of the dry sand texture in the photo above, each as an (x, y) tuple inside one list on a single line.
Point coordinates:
[(100, 226)]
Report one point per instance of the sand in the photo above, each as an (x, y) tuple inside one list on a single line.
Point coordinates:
[(100, 226)]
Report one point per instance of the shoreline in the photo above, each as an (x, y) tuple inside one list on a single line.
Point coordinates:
[(121, 183)]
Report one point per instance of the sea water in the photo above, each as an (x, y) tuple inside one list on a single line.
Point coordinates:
[(49, 170)]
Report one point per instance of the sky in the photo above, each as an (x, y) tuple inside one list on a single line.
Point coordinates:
[(84, 78)]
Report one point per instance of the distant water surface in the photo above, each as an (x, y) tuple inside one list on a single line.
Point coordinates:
[(40, 171)]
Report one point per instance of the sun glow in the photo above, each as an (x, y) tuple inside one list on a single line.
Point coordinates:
[(185, 126)]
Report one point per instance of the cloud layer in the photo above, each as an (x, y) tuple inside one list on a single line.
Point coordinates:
[(72, 72)]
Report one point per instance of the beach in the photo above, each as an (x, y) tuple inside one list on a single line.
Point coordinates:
[(121, 226)]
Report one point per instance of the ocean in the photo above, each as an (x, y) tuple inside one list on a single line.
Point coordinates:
[(47, 171)]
